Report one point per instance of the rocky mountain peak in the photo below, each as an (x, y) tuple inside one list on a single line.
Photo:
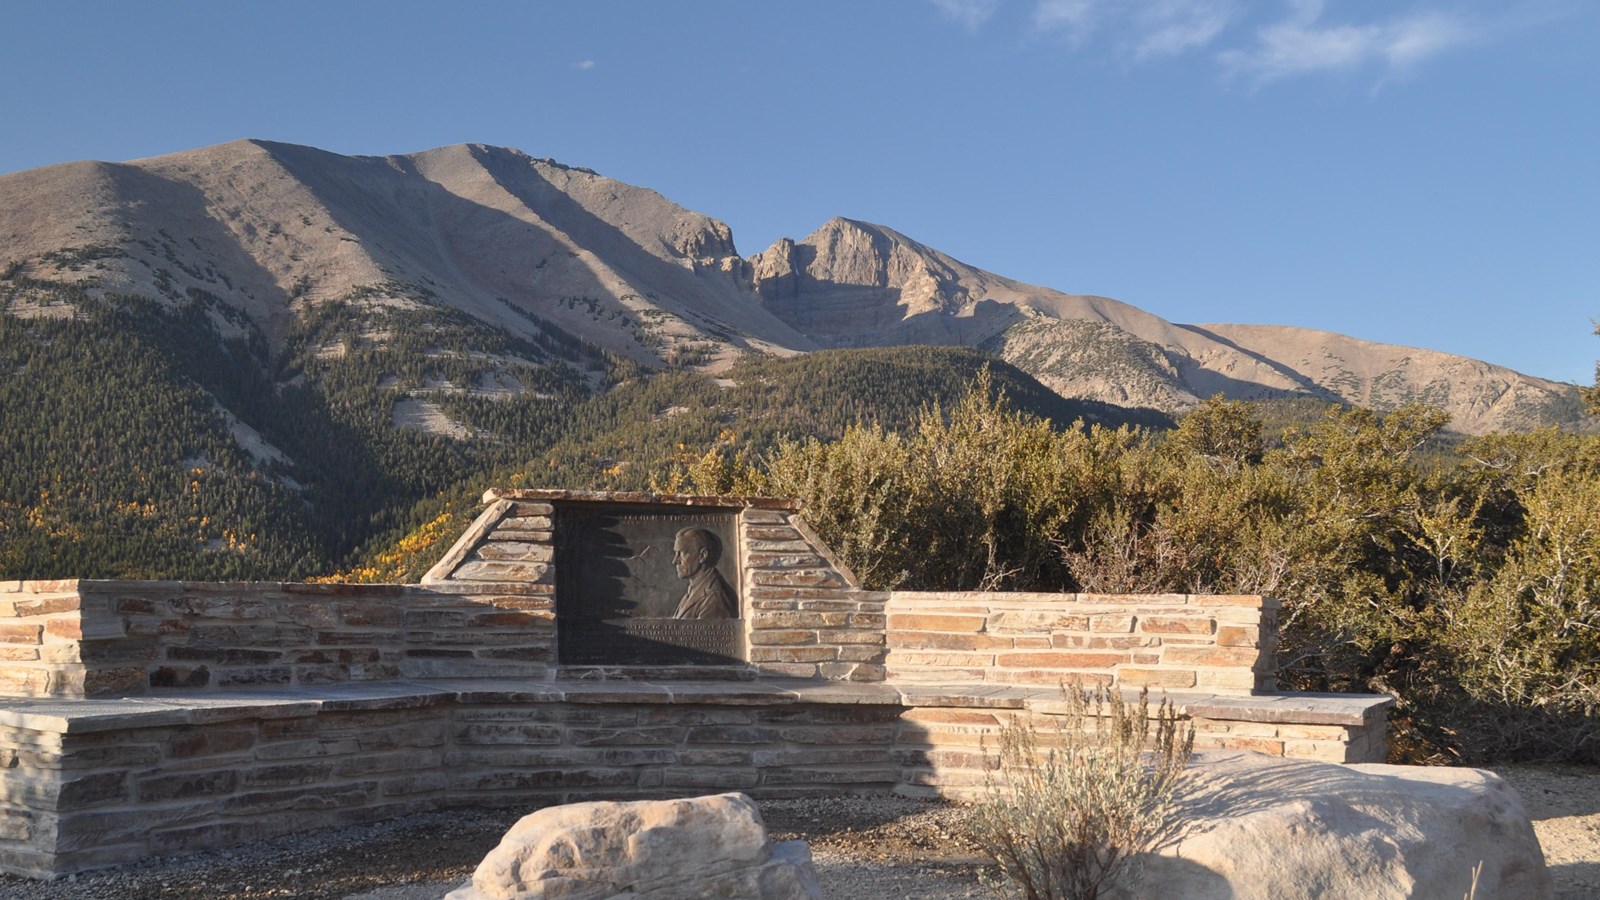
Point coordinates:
[(876, 274), (852, 252)]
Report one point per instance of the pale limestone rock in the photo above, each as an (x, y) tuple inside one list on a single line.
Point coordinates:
[(712, 846), (1265, 828)]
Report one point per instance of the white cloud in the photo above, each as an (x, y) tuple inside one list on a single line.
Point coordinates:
[(1143, 29), (971, 14), (1292, 38), (1172, 27), (583, 65), (1303, 44), (1419, 37), (1075, 18)]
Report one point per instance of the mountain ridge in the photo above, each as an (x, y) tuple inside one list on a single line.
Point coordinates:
[(850, 282), (546, 251)]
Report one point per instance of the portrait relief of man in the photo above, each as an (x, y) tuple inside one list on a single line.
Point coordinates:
[(695, 552)]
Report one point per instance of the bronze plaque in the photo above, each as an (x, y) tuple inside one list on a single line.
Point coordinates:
[(647, 585)]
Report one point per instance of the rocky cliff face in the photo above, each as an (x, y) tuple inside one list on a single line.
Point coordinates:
[(851, 284)]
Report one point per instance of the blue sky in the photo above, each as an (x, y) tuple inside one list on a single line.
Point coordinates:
[(1420, 173)]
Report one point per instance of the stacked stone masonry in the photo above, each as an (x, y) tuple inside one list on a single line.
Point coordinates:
[(1218, 644), (116, 638), (146, 718), (805, 614)]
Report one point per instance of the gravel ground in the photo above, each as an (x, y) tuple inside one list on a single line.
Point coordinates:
[(865, 848), (1564, 803)]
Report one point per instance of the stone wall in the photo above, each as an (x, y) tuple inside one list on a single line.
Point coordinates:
[(124, 780), (808, 616), (152, 718), (948, 742), (1179, 642), (40, 632), (103, 781), (164, 781), (487, 610), (85, 638)]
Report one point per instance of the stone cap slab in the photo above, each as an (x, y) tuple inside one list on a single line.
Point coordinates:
[(982, 696), (982, 602), (528, 495), (709, 693), (1288, 708), (1295, 708), (145, 586), (77, 716), (110, 714), (93, 715)]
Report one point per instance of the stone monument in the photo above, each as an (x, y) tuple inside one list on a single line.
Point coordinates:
[(621, 597)]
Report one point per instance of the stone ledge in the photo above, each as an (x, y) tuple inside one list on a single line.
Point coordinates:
[(982, 696), (110, 714), (1288, 708), (982, 603), (95, 586), (96, 715), (1292, 708), (612, 674), (729, 502)]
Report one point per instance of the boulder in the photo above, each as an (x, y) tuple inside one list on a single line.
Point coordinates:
[(713, 846), (1263, 827)]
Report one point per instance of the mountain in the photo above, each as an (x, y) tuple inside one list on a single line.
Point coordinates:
[(273, 230), (261, 360), (363, 249), (854, 284)]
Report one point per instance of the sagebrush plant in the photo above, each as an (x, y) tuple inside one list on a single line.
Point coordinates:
[(1080, 794)]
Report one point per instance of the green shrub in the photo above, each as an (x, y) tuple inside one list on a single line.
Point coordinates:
[(975, 497), (1464, 583), (1077, 796)]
